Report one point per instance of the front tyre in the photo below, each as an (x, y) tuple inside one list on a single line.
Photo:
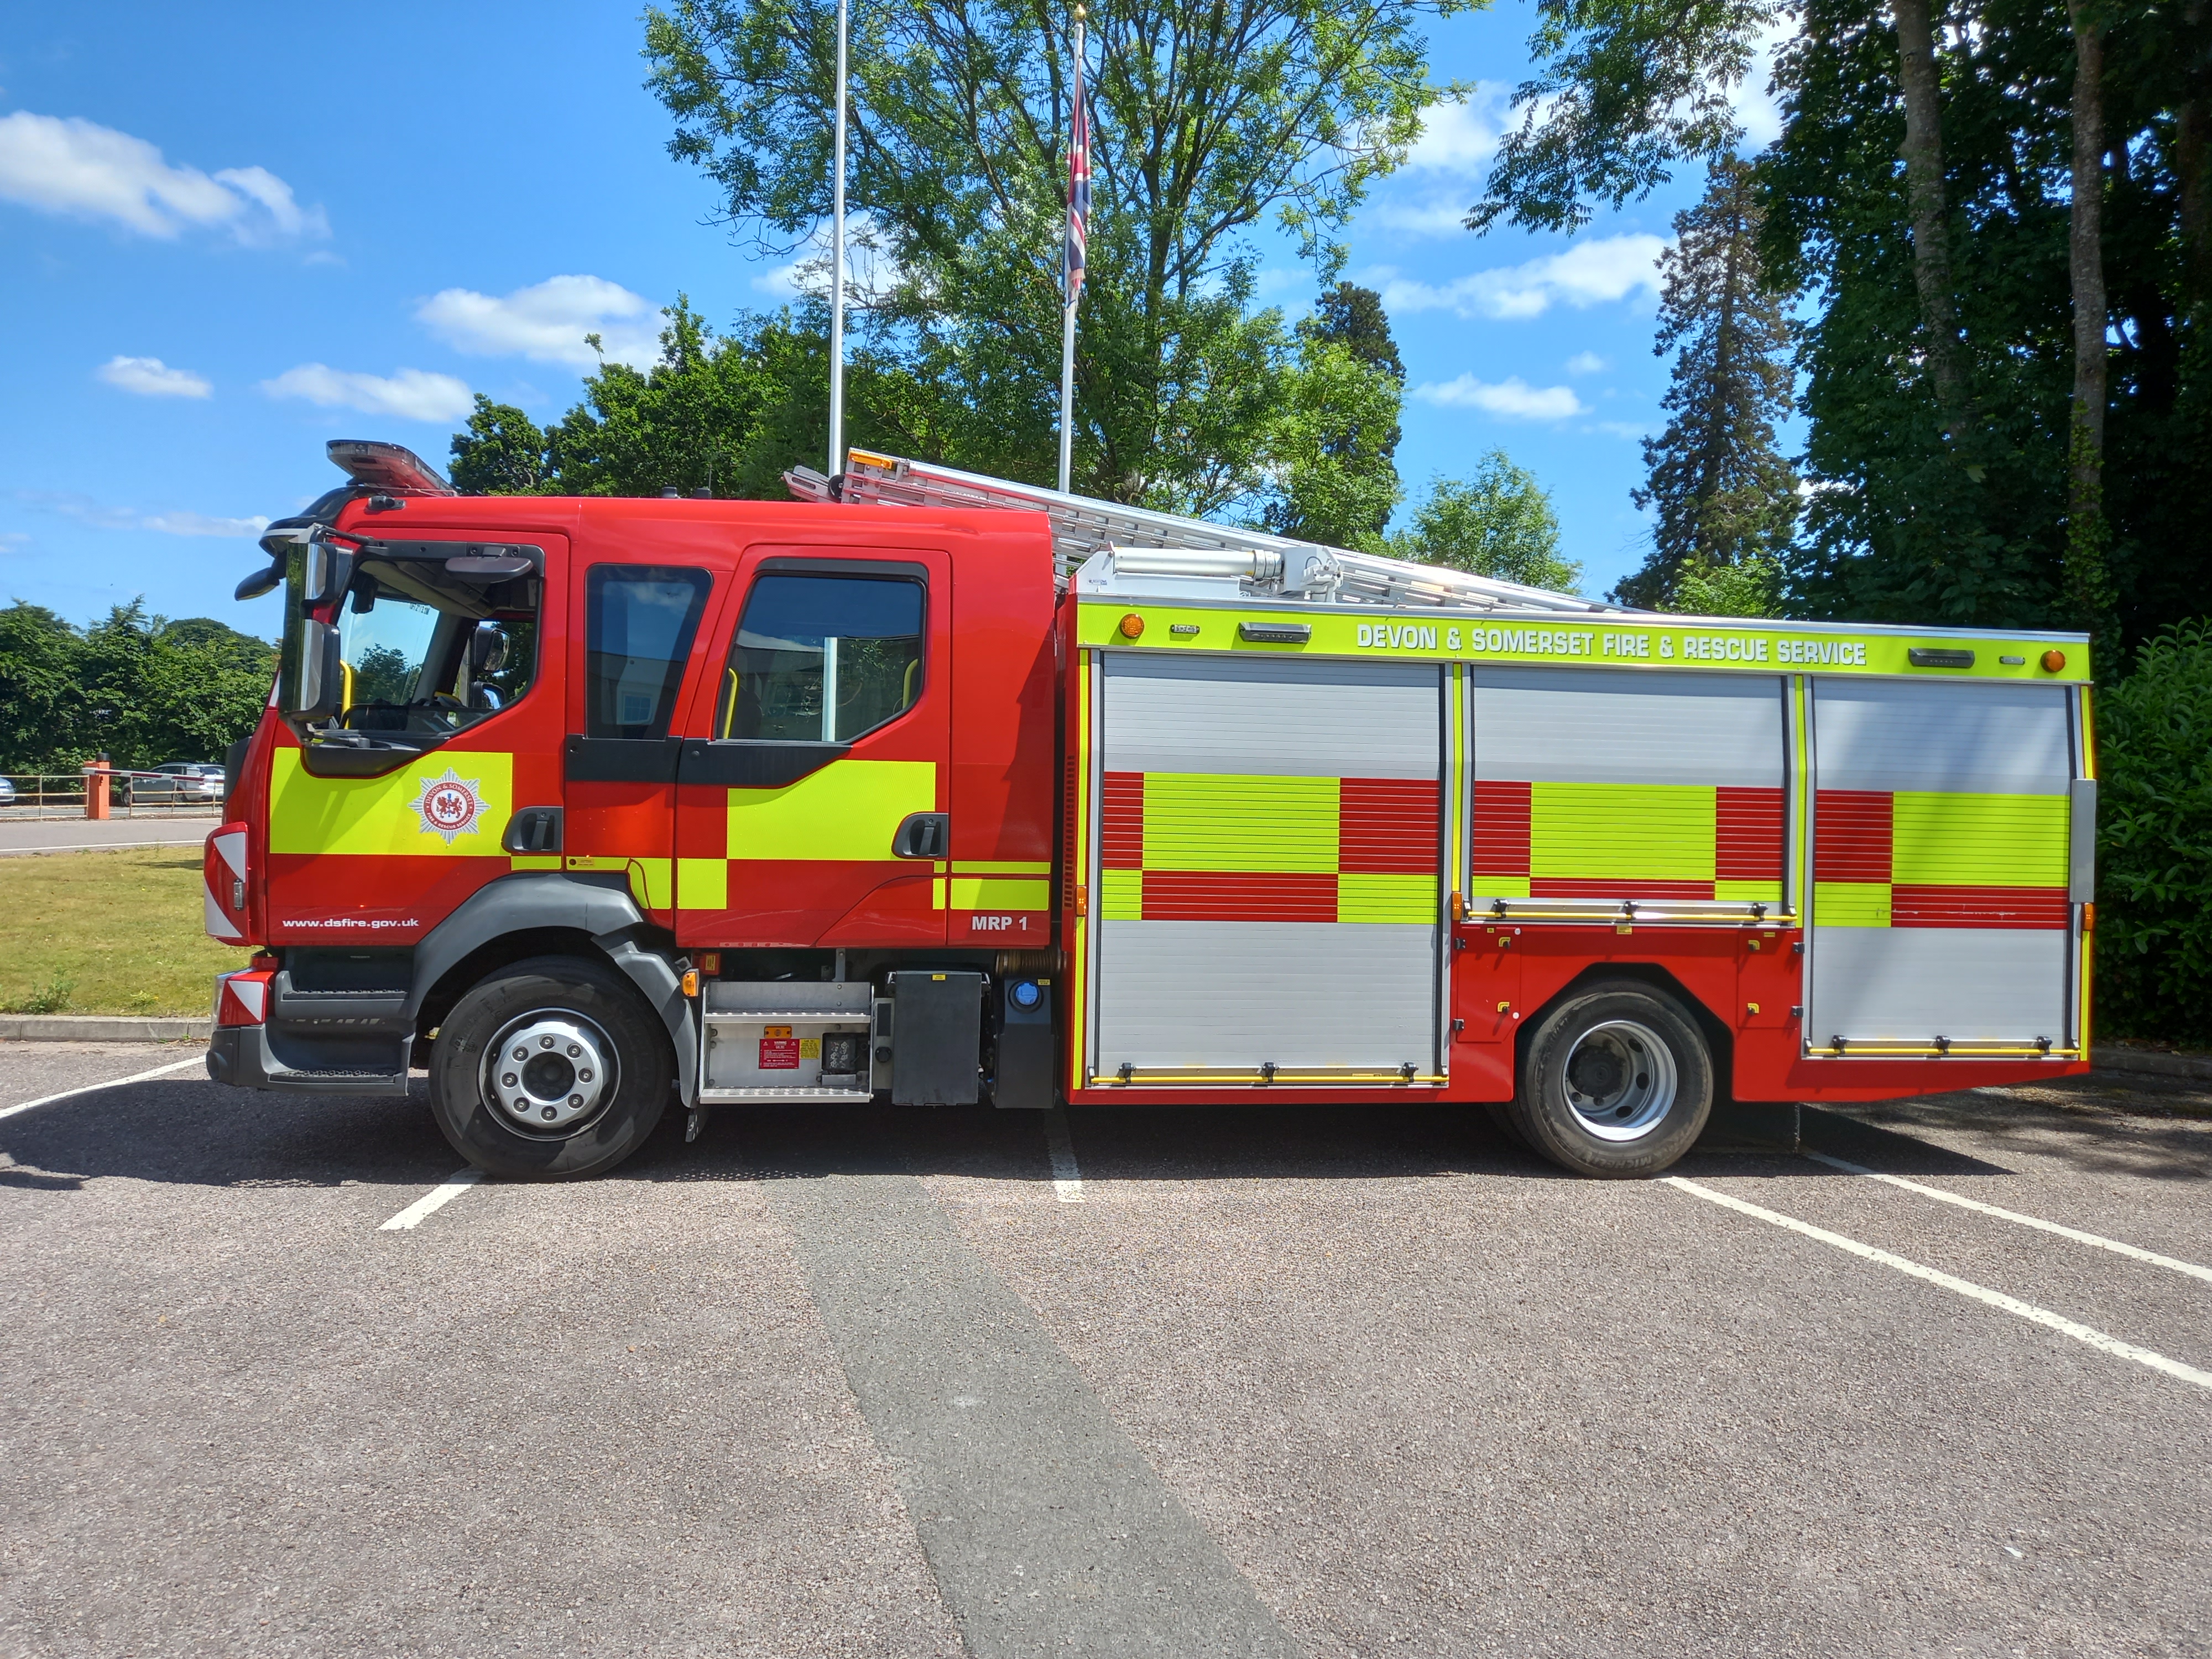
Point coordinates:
[(1617, 1081), (553, 1069)]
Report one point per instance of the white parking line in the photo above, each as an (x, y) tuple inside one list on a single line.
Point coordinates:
[(113, 1082), (1965, 1203), (2028, 1311), (436, 1199), (1066, 1179)]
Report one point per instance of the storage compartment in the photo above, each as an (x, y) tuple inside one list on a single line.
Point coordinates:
[(937, 1053), (775, 1039)]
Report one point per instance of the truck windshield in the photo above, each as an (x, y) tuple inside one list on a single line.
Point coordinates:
[(428, 669)]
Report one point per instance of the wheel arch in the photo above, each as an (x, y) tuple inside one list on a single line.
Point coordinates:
[(1719, 1040), (550, 913)]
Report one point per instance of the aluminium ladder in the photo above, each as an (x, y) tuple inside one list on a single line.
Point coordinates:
[(1144, 543)]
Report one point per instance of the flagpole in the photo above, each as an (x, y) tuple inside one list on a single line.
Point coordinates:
[(1072, 290), (837, 269)]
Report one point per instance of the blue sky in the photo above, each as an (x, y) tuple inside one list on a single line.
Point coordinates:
[(228, 234)]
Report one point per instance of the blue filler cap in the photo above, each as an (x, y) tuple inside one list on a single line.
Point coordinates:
[(1024, 994)]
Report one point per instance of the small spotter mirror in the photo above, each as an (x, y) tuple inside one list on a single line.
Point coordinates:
[(260, 582)]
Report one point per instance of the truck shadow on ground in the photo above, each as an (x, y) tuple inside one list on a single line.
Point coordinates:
[(194, 1133)]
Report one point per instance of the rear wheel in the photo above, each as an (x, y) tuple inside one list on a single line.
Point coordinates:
[(1617, 1081), (553, 1069)]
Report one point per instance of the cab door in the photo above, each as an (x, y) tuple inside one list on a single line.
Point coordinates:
[(814, 793), (641, 623)]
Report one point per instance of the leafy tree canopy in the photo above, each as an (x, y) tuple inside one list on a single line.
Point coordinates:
[(1500, 524), (139, 688), (1208, 122)]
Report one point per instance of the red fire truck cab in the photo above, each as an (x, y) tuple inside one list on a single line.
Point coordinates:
[(585, 805)]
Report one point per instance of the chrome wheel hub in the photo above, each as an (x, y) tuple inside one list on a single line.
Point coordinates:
[(550, 1070), (1620, 1079)]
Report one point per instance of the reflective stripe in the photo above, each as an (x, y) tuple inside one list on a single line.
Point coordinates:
[(1200, 820), (1852, 903), (848, 811), (1120, 894), (703, 885), (1622, 831), (1371, 898), (987, 893), (1979, 840), (384, 817), (649, 882)]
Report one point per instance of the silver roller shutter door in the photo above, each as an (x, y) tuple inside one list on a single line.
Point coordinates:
[(1181, 996), (1905, 985)]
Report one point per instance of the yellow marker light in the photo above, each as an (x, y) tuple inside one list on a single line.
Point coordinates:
[(2053, 661), (1132, 626), (691, 982)]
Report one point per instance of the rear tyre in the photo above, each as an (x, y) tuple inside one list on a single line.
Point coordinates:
[(1617, 1081), (554, 1070)]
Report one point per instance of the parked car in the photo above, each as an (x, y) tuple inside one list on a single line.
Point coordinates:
[(179, 783), (7, 792)]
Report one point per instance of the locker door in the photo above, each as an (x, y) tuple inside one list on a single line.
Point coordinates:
[(1940, 858), (1268, 869), (1595, 788)]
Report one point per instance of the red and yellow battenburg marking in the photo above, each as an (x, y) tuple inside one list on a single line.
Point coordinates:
[(1229, 846), (1628, 840), (1884, 859)]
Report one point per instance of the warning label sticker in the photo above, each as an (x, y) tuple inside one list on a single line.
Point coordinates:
[(778, 1049)]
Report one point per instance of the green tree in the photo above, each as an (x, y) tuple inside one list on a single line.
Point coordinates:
[(2155, 842), (1724, 492), (728, 414), (1329, 449), (1207, 122), (41, 701), (1498, 524)]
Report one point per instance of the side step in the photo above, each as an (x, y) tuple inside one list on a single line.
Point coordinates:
[(774, 1040)]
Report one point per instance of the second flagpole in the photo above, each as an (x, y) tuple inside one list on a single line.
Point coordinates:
[(1072, 267)]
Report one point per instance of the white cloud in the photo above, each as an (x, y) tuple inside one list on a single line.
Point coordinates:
[(1619, 429), (1444, 216), (12, 542), (1511, 399), (78, 167), (546, 323), (410, 394), (100, 516), (1581, 275), (1585, 362), (1755, 105), (1459, 139), (149, 377)]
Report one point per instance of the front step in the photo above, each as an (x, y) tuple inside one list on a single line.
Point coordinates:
[(769, 1040), (814, 1096)]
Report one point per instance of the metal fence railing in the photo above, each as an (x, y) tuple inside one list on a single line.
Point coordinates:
[(128, 794)]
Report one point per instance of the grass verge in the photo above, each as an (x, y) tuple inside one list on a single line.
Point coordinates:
[(107, 933)]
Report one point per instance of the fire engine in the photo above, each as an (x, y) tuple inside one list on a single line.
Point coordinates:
[(930, 789)]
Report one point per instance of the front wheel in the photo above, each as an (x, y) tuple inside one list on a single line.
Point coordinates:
[(1617, 1081), (552, 1070)]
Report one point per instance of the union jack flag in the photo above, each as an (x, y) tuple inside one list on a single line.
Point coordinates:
[(1079, 185)]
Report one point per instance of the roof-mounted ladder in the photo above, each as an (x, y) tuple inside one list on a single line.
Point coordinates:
[(1143, 542)]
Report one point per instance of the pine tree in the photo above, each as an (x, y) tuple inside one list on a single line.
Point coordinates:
[(1724, 493)]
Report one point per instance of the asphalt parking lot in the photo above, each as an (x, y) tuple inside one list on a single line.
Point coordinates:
[(1307, 1381)]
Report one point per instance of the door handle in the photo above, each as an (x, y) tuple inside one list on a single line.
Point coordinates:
[(533, 829), (922, 835)]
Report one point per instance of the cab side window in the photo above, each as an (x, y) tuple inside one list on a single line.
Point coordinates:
[(642, 622), (822, 659)]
